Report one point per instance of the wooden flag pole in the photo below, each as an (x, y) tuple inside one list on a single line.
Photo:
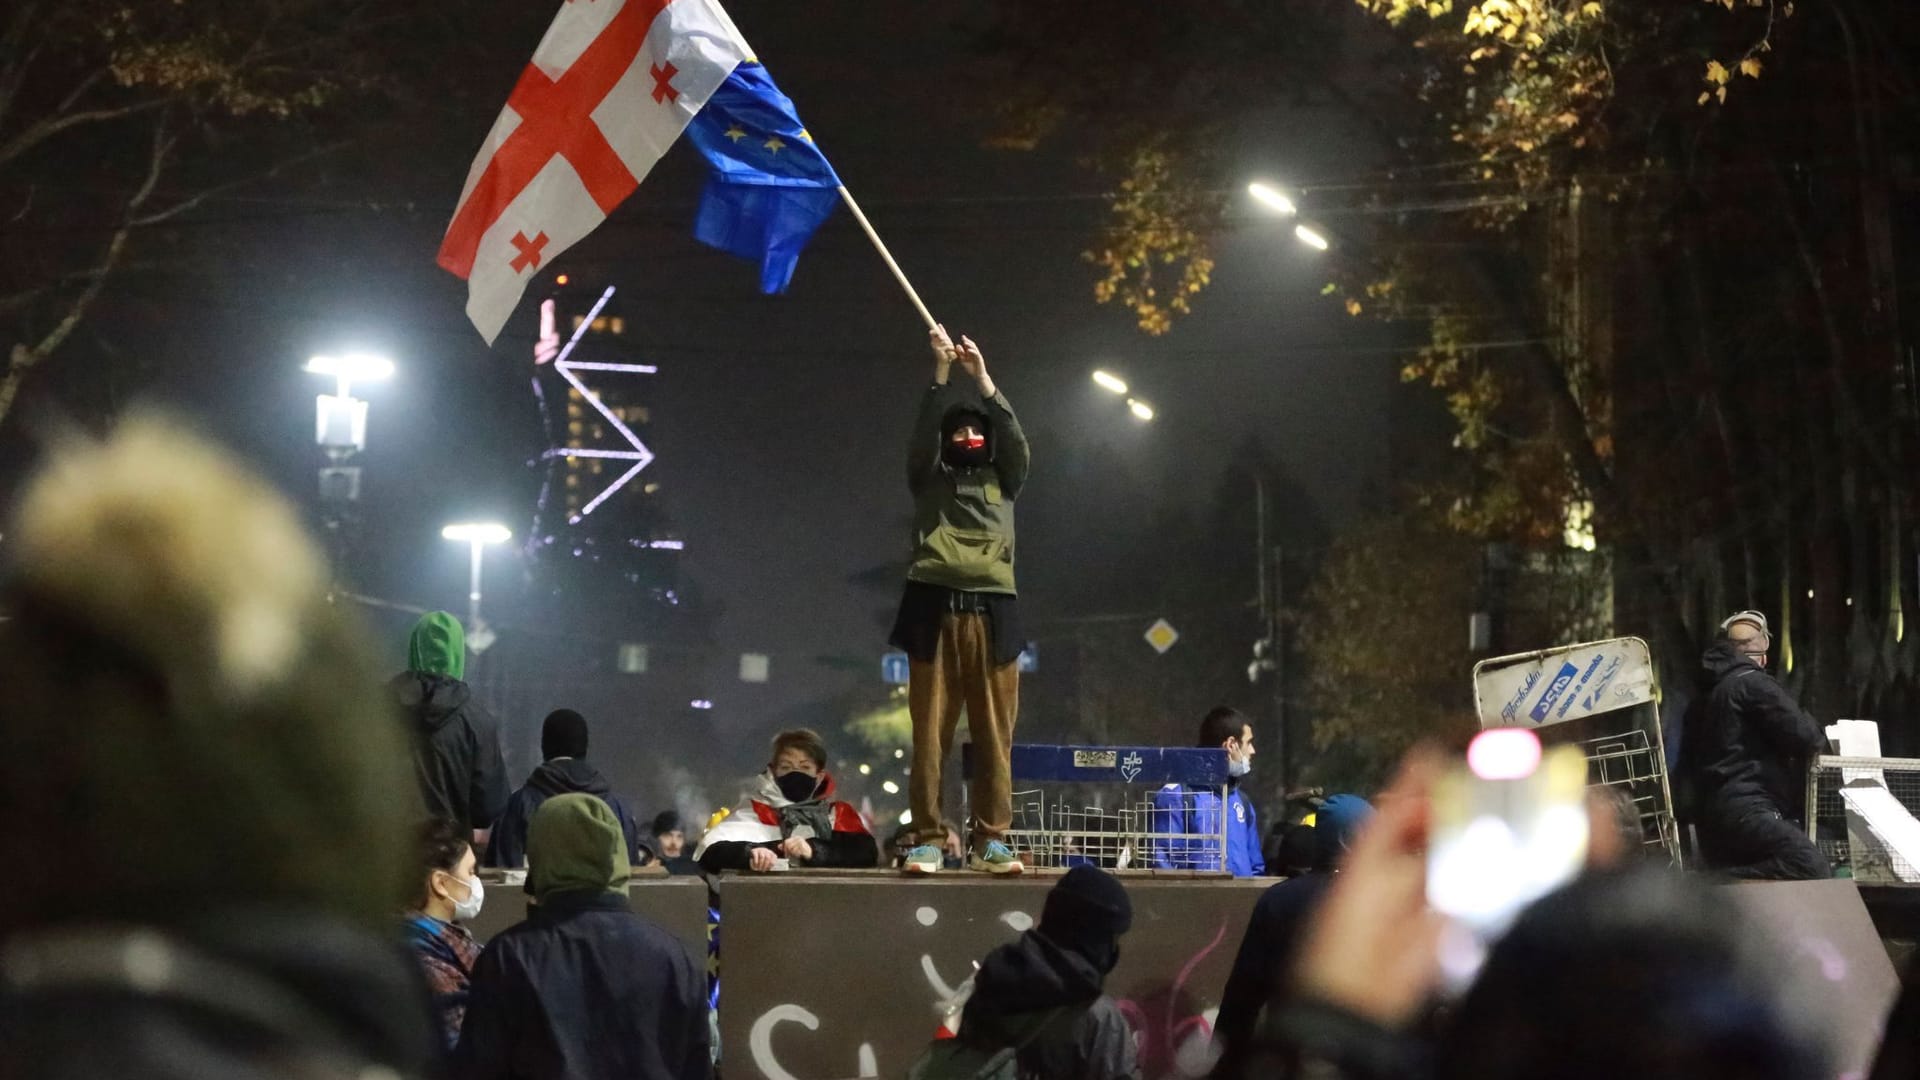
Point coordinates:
[(880, 246)]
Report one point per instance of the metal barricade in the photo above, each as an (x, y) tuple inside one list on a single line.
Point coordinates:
[(1117, 807), (1603, 697), (1864, 815)]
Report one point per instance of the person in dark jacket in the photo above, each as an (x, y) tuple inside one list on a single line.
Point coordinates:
[(1045, 991), (1273, 933), (1745, 746), (206, 797), (670, 844), (790, 813), (564, 768), (456, 747), (450, 894), (959, 618), (584, 989)]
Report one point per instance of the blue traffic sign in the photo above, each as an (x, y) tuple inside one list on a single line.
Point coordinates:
[(893, 668)]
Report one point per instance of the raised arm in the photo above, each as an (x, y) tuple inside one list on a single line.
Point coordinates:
[(1011, 453), (923, 451)]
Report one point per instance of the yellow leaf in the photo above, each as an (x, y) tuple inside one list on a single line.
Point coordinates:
[(1353, 306), (1717, 73), (1591, 10), (1750, 67), (1704, 95), (1509, 31), (1721, 94)]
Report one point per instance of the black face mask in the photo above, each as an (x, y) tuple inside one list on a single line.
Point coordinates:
[(797, 786)]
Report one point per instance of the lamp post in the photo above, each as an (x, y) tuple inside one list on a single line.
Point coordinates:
[(340, 430), (477, 536), (1267, 654)]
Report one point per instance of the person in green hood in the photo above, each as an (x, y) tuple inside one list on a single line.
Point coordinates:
[(456, 744), (585, 988)]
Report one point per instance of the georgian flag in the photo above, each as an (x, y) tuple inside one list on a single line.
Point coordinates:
[(613, 84)]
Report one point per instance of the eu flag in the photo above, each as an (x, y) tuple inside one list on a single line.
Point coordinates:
[(771, 187)]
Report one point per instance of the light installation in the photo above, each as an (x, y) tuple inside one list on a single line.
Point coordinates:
[(544, 351)]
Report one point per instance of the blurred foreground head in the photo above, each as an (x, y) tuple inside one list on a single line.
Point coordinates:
[(189, 723), (1640, 973)]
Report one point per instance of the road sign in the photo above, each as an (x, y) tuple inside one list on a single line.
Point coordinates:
[(754, 667), (1161, 635), (893, 668)]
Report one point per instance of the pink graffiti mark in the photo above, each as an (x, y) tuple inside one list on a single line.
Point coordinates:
[(1161, 1047)]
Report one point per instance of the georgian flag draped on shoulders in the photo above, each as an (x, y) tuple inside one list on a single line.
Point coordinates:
[(612, 85)]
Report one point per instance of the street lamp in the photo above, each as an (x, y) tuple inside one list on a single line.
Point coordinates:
[(1273, 198), (1112, 383), (346, 369), (477, 536), (1140, 409), (1310, 237), (340, 429)]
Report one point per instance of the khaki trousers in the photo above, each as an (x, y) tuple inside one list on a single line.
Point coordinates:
[(962, 674)]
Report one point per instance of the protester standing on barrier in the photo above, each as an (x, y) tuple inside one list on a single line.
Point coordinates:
[(1745, 746), (959, 619)]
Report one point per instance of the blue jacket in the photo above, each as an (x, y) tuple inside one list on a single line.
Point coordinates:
[(1178, 809)]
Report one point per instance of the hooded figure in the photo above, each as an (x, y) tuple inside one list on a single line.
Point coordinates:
[(563, 744), (200, 767), (1745, 742), (456, 745), (1273, 933), (959, 616), (1046, 991), (584, 989)]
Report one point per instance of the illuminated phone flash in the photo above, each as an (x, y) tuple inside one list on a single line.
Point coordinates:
[(1509, 753)]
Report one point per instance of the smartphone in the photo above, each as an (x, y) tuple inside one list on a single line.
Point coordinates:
[(1509, 825)]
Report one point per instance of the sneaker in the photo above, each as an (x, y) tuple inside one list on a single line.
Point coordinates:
[(924, 859), (997, 858)]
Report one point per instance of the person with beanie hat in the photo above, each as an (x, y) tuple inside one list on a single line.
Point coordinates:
[(670, 843), (1045, 992), (206, 797), (1273, 932), (563, 770), (585, 988), (456, 743)]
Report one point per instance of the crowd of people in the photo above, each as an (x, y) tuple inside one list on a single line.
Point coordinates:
[(224, 863)]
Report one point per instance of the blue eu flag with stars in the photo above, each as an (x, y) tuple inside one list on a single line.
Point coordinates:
[(771, 187)]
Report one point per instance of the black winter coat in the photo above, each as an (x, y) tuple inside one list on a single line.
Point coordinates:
[(1745, 737), (456, 749), (1020, 984), (585, 989), (507, 847), (1266, 954)]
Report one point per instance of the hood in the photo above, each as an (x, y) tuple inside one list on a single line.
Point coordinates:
[(1335, 825), (959, 414), (438, 646), (575, 845), (565, 775), (1032, 973), (430, 699), (1723, 660)]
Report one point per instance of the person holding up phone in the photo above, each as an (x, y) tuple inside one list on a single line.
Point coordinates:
[(959, 620)]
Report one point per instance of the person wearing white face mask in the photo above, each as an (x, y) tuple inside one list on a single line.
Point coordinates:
[(1198, 811), (451, 894)]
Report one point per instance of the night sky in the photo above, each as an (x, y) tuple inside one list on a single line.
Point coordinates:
[(781, 421)]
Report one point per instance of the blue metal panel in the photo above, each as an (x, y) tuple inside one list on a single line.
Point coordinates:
[(1149, 766), (893, 668)]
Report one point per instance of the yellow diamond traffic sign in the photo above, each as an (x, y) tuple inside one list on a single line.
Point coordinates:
[(1161, 635)]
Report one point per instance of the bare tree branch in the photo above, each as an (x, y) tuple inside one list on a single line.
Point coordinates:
[(46, 129), (192, 201), (23, 357)]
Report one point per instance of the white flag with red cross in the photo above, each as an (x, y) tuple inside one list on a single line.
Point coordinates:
[(611, 87)]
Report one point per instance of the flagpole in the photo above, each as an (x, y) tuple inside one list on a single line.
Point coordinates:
[(880, 246)]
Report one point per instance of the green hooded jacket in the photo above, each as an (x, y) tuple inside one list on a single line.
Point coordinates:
[(574, 844), (438, 646), (963, 518)]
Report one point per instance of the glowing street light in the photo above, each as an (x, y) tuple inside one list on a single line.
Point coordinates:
[(1109, 382), (1310, 237), (350, 368), (477, 536), (1140, 409), (1273, 198)]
